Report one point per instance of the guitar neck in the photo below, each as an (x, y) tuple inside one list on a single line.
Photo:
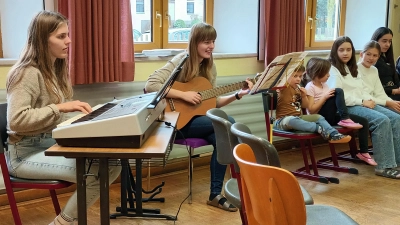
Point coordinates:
[(217, 91)]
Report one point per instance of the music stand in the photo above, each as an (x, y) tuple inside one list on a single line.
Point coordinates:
[(272, 78), (168, 84)]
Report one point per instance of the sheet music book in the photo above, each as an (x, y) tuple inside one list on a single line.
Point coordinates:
[(278, 72)]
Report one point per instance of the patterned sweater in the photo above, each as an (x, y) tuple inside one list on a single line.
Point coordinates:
[(31, 109)]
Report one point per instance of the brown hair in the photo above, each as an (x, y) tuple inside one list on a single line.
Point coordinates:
[(335, 60), (36, 54), (317, 67), (371, 44), (199, 32)]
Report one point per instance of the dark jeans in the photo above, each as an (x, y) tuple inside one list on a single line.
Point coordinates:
[(329, 111), (332, 105), (201, 127)]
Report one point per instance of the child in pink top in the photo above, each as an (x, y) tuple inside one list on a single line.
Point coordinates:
[(324, 100), (327, 102)]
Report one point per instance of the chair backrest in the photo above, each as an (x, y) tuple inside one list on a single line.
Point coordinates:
[(226, 141), (274, 193), (264, 151), (3, 126)]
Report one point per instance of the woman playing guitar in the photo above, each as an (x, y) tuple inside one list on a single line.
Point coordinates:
[(199, 64)]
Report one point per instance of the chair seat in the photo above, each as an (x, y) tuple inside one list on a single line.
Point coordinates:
[(231, 191), (192, 142), (327, 215)]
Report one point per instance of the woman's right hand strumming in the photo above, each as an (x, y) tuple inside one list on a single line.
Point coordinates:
[(74, 106), (192, 97)]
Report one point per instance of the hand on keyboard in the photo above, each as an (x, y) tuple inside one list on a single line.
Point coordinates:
[(74, 106)]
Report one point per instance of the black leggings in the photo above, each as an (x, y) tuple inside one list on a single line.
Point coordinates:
[(329, 111)]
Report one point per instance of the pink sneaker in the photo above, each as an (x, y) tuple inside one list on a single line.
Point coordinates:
[(367, 158), (350, 124)]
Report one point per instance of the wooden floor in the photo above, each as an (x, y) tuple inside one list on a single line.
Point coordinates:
[(365, 197)]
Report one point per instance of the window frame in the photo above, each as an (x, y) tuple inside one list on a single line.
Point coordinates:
[(310, 43), (1, 42), (160, 31)]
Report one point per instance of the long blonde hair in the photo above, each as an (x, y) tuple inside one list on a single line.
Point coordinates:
[(36, 54), (199, 32)]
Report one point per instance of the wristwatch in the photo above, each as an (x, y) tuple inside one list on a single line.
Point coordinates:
[(237, 96)]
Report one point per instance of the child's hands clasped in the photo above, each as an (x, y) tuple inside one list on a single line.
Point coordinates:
[(329, 94), (369, 104)]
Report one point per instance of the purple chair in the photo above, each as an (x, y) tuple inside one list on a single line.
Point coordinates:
[(191, 143)]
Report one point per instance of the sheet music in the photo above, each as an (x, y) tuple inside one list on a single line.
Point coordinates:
[(270, 80)]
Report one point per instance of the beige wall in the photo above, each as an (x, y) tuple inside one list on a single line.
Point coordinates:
[(225, 67)]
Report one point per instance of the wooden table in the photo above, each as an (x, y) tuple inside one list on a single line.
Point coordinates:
[(154, 147)]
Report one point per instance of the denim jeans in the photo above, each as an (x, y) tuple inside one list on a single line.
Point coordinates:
[(384, 125), (26, 159), (307, 123), (201, 127)]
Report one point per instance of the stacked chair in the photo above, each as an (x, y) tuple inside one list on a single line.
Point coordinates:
[(273, 196), (226, 141)]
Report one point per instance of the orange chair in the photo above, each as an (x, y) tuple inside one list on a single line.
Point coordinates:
[(11, 182), (272, 196), (305, 139)]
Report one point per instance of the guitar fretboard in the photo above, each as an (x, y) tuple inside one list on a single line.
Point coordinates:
[(217, 91)]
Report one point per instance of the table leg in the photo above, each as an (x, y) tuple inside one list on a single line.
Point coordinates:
[(81, 190), (104, 192)]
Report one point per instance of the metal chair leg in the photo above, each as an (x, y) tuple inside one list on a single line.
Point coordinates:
[(190, 170)]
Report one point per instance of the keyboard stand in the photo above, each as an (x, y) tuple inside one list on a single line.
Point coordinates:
[(135, 188)]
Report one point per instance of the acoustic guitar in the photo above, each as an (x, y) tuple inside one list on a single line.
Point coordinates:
[(208, 96)]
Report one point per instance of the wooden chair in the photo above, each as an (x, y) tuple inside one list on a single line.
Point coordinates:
[(273, 195), (305, 138), (11, 182), (265, 152)]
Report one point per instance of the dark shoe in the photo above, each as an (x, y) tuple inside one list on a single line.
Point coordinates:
[(339, 138)]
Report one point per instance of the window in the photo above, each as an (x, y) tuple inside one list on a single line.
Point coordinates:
[(324, 22), (167, 23), (190, 7), (139, 6)]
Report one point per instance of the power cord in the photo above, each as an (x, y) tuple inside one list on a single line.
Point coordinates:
[(187, 149)]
